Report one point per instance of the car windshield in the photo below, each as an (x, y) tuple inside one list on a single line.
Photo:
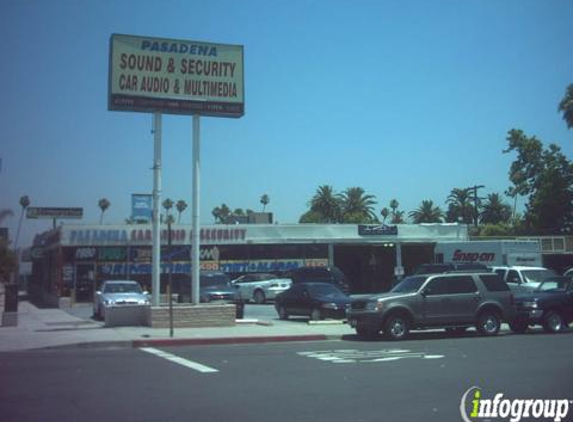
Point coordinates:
[(122, 288), (217, 280), (537, 276), (554, 284), (409, 285), (324, 290)]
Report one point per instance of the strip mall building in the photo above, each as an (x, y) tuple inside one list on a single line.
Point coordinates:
[(79, 255)]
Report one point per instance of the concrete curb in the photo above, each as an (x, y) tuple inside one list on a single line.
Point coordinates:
[(229, 340)]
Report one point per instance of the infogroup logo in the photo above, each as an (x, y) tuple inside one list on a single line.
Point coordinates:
[(474, 408)]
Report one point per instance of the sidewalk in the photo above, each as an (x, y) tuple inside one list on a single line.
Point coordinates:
[(42, 328)]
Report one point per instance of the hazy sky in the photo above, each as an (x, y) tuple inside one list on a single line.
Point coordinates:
[(407, 99)]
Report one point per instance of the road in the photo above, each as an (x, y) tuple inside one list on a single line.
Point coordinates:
[(421, 379)]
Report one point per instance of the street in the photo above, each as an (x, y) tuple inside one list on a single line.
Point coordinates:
[(421, 379)]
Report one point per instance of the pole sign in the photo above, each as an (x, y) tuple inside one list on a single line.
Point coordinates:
[(43, 212), (175, 76)]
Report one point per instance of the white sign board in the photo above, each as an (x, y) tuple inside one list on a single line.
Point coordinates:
[(175, 76)]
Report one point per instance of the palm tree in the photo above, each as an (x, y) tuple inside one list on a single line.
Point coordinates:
[(265, 201), (221, 213), (385, 212), (326, 204), (181, 206), (103, 204), (398, 217), (495, 211), (394, 204), (460, 207), (427, 213), (566, 106), (24, 203), (357, 206), (168, 204)]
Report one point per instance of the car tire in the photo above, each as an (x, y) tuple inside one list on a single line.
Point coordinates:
[(519, 327), (259, 297), (316, 315), (553, 322), (283, 314), (397, 327), (488, 323)]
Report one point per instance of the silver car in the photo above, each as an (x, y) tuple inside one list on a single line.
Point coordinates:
[(118, 293), (261, 287)]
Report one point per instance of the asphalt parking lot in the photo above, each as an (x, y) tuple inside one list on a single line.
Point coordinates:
[(421, 379)]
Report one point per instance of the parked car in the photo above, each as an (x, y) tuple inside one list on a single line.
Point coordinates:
[(452, 301), (214, 286), (118, 293), (261, 287), (327, 274), (317, 300), (549, 305), (522, 279), (451, 267)]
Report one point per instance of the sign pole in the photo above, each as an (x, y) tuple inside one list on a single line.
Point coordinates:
[(156, 252), (195, 246)]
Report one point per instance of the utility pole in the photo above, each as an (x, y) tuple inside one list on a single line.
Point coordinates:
[(476, 201)]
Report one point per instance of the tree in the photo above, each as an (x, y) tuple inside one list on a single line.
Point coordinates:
[(5, 213), (384, 212), (326, 204), (545, 177), (460, 206), (221, 213), (24, 203), (265, 201), (494, 211), (357, 206), (427, 213), (398, 217), (181, 206), (566, 106), (103, 204)]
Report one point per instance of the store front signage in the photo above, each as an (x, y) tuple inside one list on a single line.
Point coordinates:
[(124, 236), (45, 212), (377, 230)]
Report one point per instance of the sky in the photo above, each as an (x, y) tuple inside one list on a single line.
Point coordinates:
[(406, 99)]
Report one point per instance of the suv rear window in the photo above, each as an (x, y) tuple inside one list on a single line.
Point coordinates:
[(494, 283)]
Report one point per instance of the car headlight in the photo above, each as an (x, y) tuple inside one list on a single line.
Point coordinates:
[(375, 305), (533, 305), (330, 306)]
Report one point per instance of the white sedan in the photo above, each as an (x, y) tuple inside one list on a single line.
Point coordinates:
[(261, 287), (118, 293)]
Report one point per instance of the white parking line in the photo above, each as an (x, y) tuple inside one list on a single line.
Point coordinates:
[(176, 359)]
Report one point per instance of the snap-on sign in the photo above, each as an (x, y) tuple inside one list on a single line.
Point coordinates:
[(460, 256)]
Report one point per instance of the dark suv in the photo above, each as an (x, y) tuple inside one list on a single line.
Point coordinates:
[(452, 301), (327, 274), (450, 267)]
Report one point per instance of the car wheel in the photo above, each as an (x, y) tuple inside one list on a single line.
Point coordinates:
[(283, 313), (259, 297), (316, 315), (488, 323), (397, 327), (519, 327), (553, 322)]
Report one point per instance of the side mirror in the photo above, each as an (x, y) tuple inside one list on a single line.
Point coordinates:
[(425, 292)]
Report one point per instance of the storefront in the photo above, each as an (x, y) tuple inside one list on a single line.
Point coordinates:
[(76, 258)]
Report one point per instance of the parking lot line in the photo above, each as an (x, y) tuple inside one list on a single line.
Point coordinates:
[(179, 360)]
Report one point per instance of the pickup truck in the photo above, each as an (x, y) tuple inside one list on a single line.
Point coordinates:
[(522, 279), (549, 305)]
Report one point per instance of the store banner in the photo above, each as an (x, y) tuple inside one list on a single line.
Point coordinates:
[(141, 207)]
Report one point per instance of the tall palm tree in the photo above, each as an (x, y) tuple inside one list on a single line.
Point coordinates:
[(384, 212), (566, 106), (24, 203), (357, 206), (460, 206), (168, 204), (495, 211), (103, 204), (394, 204), (181, 206), (427, 213), (265, 201), (327, 204)]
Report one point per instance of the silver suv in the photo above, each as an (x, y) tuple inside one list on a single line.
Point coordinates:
[(452, 301)]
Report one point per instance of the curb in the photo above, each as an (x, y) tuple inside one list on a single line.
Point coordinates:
[(229, 340)]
